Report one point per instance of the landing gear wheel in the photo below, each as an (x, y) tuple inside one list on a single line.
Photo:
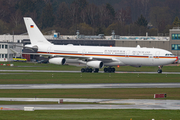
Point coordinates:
[(105, 70), (83, 70), (87, 70), (90, 70), (109, 70), (159, 71), (96, 70), (113, 70)]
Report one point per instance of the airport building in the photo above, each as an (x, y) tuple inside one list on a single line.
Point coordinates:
[(170, 43), (9, 50)]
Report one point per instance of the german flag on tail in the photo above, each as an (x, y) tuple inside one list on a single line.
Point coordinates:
[(32, 26)]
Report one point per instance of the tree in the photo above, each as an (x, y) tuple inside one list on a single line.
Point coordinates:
[(158, 14), (81, 4), (111, 10), (105, 19), (63, 16), (5, 10), (119, 28), (26, 6), (92, 12), (3, 27), (142, 21), (100, 30), (16, 18), (47, 18), (176, 21), (76, 8), (83, 28), (124, 16), (160, 17)]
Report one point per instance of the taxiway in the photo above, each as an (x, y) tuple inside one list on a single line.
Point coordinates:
[(99, 104), (89, 86)]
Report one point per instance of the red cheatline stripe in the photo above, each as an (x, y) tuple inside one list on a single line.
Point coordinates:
[(100, 55)]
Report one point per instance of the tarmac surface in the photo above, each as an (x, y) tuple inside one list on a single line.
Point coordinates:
[(90, 86), (103, 104), (60, 71)]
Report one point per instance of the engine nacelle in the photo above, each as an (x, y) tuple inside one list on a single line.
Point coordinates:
[(57, 61), (95, 64)]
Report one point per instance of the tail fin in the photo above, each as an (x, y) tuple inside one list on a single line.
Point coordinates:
[(35, 35)]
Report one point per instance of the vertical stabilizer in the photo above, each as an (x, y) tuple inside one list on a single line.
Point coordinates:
[(35, 35)]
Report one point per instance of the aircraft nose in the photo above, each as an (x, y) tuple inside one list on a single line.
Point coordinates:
[(177, 58)]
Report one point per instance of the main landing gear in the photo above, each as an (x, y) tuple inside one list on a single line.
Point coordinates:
[(96, 70), (109, 70), (89, 70), (160, 69)]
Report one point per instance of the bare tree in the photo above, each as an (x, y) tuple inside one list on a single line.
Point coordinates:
[(74, 10), (16, 18), (91, 13)]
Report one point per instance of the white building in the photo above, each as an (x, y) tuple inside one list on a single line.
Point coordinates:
[(10, 50)]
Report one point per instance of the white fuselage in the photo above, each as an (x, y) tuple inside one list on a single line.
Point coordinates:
[(110, 56)]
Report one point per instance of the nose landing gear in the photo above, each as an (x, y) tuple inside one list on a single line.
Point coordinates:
[(160, 69)]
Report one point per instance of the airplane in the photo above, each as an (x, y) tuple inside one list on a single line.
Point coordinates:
[(96, 57)]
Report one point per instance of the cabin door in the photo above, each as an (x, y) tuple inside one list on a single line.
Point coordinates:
[(127, 53), (157, 55), (49, 50)]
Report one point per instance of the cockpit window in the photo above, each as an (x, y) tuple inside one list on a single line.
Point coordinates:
[(169, 55)]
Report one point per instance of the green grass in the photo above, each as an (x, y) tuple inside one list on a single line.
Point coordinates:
[(91, 115), (37, 66), (133, 93), (75, 78)]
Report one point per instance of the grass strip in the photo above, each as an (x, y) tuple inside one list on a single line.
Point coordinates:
[(133, 93), (37, 66), (91, 114), (75, 78)]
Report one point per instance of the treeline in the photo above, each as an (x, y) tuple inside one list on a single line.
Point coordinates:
[(91, 17)]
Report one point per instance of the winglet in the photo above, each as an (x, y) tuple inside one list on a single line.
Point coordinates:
[(35, 35)]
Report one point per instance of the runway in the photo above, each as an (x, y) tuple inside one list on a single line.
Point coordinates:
[(99, 104), (60, 71), (89, 86)]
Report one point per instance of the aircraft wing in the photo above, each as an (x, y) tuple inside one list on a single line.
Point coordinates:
[(103, 59)]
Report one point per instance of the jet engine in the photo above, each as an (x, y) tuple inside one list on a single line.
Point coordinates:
[(95, 64), (57, 60)]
